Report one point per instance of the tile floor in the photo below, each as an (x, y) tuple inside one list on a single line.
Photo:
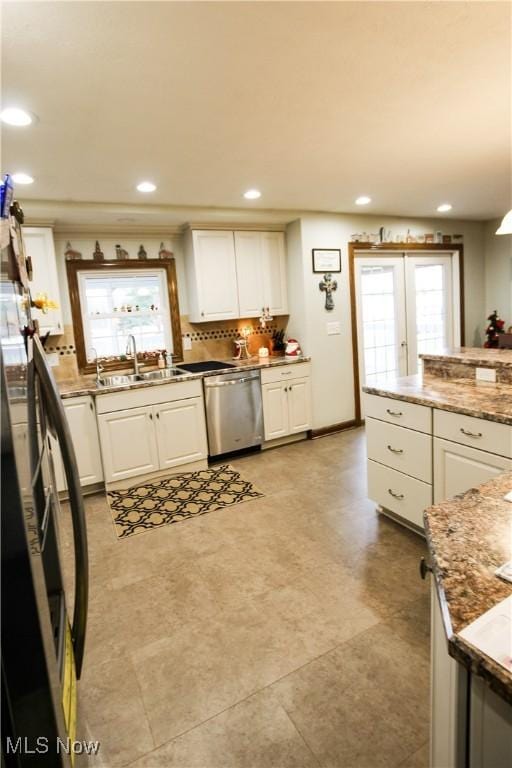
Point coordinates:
[(289, 631)]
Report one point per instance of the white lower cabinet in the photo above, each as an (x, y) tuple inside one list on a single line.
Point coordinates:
[(180, 433), (81, 418), (144, 439), (448, 695), (286, 406), (299, 405), (128, 443), (458, 467)]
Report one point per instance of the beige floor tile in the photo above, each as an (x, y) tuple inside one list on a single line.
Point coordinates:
[(112, 712), (419, 759), (257, 733), (364, 704)]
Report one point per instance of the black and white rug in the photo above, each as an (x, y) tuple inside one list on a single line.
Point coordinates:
[(178, 497)]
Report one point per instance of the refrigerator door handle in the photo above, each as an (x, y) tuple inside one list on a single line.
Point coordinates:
[(57, 418)]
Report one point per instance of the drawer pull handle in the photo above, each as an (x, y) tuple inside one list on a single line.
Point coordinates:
[(394, 413), (395, 450), (470, 434), (425, 568), (395, 494)]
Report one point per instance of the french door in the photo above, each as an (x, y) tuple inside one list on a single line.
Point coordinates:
[(404, 307)]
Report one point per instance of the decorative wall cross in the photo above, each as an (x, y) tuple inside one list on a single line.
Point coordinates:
[(328, 285)]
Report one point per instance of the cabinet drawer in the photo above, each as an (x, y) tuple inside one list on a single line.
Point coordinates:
[(405, 414), (478, 433), (401, 494), (152, 395), (285, 372), (402, 449)]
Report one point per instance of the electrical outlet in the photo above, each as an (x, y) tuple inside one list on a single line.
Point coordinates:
[(333, 329), (486, 374), (187, 343)]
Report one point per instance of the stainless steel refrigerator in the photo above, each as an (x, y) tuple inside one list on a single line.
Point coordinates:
[(42, 648)]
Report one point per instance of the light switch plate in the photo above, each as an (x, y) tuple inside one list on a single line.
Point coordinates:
[(486, 374), (187, 343), (333, 328), (52, 358)]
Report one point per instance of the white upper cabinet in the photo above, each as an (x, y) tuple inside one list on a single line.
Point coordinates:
[(211, 275), (261, 273), (274, 273), (249, 271), (235, 274), (40, 247)]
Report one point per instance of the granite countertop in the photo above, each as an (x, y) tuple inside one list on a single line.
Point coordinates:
[(487, 358), (86, 385), (468, 537), (467, 396)]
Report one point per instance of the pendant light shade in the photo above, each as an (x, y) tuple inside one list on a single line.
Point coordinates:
[(505, 227)]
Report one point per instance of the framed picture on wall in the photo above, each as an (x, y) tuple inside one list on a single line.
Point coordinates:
[(326, 260)]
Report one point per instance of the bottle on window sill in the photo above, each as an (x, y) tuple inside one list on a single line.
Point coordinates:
[(161, 361)]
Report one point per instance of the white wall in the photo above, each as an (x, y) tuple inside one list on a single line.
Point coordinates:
[(85, 245), (333, 386), (498, 272)]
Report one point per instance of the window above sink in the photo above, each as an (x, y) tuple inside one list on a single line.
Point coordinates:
[(111, 300)]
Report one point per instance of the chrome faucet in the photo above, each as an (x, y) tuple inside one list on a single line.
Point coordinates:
[(131, 348), (99, 367)]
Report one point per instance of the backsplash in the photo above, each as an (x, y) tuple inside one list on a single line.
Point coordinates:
[(209, 341)]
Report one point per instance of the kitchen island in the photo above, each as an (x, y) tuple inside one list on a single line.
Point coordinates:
[(431, 437), (469, 537)]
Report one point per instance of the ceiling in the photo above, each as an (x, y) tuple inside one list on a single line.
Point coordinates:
[(313, 103)]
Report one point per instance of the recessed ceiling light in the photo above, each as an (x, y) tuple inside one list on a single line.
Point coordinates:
[(252, 194), (363, 200), (22, 178), (15, 116), (444, 208), (146, 186)]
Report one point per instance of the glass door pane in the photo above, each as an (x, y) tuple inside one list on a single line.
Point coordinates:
[(429, 307), (381, 318)]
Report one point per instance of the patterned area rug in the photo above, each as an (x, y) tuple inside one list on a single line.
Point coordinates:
[(178, 497)]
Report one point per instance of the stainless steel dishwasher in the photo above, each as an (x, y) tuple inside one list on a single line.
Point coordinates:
[(234, 412)]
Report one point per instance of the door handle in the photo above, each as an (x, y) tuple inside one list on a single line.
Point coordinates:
[(395, 450), (395, 494), (394, 413)]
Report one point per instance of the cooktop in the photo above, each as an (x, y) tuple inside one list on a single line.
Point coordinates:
[(204, 366)]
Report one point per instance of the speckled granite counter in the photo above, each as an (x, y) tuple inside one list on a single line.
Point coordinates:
[(483, 400), (86, 385), (469, 536)]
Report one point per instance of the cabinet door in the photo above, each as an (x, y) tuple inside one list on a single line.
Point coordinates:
[(180, 432), (299, 405), (275, 410), (84, 433), (274, 272), (449, 680), (40, 247), (215, 275), (458, 468), (128, 443), (250, 268)]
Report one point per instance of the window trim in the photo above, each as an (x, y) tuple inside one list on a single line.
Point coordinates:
[(74, 266)]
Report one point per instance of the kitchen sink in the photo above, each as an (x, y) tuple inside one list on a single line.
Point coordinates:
[(123, 380), (162, 373)]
